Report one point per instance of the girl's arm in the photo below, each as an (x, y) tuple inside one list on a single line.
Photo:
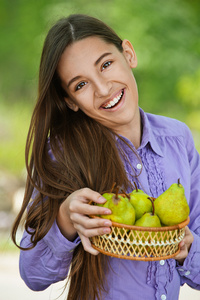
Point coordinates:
[(189, 271), (49, 261), (188, 264)]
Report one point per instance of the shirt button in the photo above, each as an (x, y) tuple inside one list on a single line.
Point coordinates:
[(187, 273), (163, 297), (139, 166), (162, 262)]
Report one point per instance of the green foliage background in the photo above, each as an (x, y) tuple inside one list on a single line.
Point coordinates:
[(166, 38)]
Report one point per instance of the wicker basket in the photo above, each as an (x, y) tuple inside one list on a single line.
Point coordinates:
[(141, 243)]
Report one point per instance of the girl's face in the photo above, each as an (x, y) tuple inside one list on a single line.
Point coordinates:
[(98, 79)]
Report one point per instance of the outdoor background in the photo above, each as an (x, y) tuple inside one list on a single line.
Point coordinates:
[(166, 38)]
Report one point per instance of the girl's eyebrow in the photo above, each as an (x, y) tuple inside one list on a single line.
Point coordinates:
[(101, 57), (72, 80), (96, 63)]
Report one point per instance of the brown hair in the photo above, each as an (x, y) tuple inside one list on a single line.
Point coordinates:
[(85, 154)]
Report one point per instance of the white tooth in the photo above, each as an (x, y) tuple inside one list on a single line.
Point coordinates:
[(112, 102), (120, 94)]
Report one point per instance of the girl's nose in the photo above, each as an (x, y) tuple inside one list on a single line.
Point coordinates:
[(102, 87)]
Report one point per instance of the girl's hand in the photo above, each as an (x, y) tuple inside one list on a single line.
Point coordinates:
[(73, 217), (185, 245)]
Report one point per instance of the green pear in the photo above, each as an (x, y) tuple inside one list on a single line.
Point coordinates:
[(149, 219), (171, 206), (122, 210), (140, 202)]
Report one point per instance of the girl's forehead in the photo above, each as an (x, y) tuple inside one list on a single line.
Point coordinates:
[(84, 52), (91, 44)]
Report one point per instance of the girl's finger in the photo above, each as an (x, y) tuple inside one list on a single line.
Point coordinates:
[(87, 245), (90, 223), (88, 209), (89, 232), (90, 195)]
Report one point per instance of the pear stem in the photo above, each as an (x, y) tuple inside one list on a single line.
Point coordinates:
[(179, 182), (127, 195), (152, 205), (136, 186), (114, 184), (117, 192)]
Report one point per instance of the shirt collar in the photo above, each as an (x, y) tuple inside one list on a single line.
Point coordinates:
[(148, 135)]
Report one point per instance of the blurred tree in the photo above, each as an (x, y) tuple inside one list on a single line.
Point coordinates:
[(166, 40), (165, 35), (21, 24), (188, 91)]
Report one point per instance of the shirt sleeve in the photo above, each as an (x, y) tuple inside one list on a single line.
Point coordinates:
[(49, 261), (190, 271)]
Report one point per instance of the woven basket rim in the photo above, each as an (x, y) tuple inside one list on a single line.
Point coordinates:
[(139, 258), (140, 228)]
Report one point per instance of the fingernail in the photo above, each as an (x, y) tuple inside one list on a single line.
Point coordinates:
[(107, 212), (106, 230), (107, 223), (101, 199)]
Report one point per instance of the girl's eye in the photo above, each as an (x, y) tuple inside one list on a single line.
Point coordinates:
[(106, 64), (80, 85)]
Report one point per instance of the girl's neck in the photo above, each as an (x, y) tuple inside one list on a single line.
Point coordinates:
[(133, 131)]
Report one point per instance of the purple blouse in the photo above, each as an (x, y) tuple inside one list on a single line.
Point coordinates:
[(167, 152)]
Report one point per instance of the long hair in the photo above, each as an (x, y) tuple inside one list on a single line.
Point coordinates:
[(84, 153)]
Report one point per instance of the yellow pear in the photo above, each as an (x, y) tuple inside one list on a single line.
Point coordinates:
[(122, 210), (140, 202), (171, 206), (149, 219)]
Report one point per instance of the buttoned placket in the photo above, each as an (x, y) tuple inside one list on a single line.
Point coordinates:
[(161, 275)]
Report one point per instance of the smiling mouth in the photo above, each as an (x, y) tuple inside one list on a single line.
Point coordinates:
[(112, 103)]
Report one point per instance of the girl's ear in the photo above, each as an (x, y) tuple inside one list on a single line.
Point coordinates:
[(71, 104), (129, 53)]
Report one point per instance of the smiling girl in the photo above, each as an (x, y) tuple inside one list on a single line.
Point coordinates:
[(87, 131)]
